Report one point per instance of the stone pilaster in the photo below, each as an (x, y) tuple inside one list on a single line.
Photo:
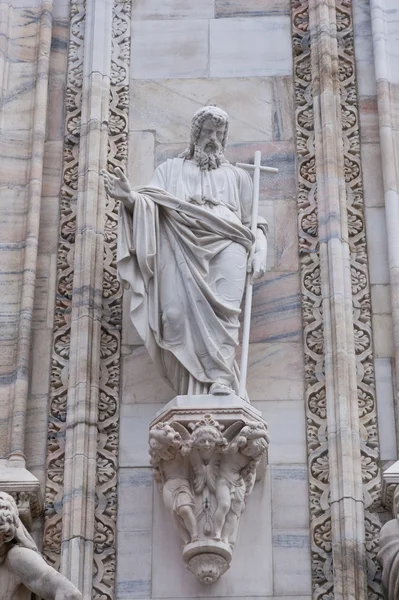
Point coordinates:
[(78, 529), (81, 498), (342, 433)]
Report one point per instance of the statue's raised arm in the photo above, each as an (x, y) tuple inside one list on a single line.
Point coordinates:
[(184, 242)]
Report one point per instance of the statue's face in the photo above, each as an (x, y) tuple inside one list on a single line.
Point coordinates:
[(211, 136), (206, 445)]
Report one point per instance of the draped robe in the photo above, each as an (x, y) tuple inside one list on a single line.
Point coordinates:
[(183, 251)]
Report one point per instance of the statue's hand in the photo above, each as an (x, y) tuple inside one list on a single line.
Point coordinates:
[(117, 186), (258, 264)]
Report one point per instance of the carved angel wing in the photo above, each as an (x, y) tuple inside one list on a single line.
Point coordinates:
[(185, 435), (233, 430)]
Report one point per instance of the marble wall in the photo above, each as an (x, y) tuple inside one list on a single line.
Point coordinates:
[(185, 54), (33, 61)]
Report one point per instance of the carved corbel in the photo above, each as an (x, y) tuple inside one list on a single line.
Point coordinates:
[(206, 470)]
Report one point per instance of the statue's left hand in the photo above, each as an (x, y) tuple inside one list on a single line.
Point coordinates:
[(258, 265)]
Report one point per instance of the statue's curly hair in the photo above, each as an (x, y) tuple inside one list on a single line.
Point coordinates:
[(218, 116), (11, 525), (9, 516)]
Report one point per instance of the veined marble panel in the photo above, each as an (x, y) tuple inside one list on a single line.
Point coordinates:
[(381, 299), (383, 336), (274, 154), (372, 177), (275, 372), (135, 420), (276, 313), (290, 496), (364, 52), (286, 419), (169, 49), (391, 19), (264, 48), (386, 411), (141, 157), (166, 107), (173, 9), (377, 249), (251, 8), (142, 382), (368, 117), (291, 561)]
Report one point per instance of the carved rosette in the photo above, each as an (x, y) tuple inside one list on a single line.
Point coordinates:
[(206, 470), (63, 302)]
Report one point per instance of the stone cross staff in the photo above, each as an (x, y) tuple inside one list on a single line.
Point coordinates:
[(257, 168)]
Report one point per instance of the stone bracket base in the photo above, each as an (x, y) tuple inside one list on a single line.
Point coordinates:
[(207, 452)]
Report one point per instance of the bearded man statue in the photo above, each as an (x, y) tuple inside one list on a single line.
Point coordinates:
[(183, 247)]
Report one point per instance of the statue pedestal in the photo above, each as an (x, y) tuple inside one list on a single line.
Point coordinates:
[(206, 451)]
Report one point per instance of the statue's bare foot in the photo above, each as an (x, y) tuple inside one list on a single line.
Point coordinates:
[(217, 538), (220, 389)]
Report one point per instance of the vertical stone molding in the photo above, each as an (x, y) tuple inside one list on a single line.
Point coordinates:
[(65, 265), (111, 319), (81, 497), (361, 294), (312, 309), (341, 414), (78, 531), (386, 69)]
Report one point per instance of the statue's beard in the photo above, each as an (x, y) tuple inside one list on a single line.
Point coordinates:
[(208, 157)]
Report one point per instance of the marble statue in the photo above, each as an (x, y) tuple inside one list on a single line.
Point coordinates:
[(207, 486), (183, 247), (21, 563), (388, 555)]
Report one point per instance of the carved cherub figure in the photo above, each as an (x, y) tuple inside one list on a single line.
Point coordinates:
[(172, 473), (21, 563), (204, 446), (236, 477)]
